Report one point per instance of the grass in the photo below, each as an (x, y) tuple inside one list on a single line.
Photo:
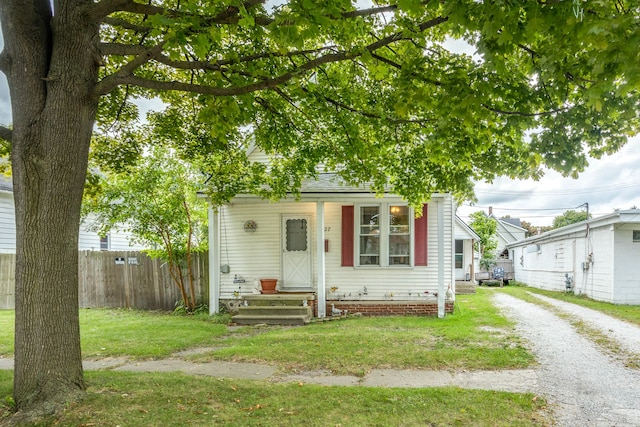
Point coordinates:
[(474, 337), (116, 398), (133, 333)]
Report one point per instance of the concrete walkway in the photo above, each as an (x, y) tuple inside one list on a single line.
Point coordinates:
[(522, 380)]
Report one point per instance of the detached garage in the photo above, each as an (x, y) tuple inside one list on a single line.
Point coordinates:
[(598, 258)]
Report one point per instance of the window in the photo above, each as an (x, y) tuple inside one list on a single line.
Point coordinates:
[(459, 255), (636, 235), (370, 235), (384, 240), (399, 235), (105, 243), (296, 235)]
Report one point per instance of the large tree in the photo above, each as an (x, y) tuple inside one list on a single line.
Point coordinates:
[(486, 227), (369, 92), (570, 217), (153, 196)]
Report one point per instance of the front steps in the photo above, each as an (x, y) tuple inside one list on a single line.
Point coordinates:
[(275, 309)]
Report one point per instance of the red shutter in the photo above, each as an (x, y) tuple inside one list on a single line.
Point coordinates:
[(420, 233), (347, 236)]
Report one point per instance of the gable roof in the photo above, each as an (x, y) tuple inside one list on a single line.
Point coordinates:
[(465, 227), (630, 216)]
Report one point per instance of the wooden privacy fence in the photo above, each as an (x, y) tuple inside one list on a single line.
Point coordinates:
[(118, 280)]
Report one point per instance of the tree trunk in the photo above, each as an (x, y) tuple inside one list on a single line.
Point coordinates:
[(51, 76)]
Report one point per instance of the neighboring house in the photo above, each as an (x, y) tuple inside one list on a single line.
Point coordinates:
[(343, 245), (508, 230), (596, 258), (465, 260), (88, 240)]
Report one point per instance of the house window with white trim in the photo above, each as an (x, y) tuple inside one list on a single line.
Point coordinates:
[(399, 235), (105, 243), (369, 235), (384, 240)]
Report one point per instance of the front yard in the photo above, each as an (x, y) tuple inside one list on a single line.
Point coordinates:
[(474, 337)]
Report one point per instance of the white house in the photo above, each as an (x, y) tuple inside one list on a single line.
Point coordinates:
[(465, 262), (508, 230), (596, 258), (88, 240), (343, 245)]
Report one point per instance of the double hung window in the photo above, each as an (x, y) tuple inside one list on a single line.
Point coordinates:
[(384, 235)]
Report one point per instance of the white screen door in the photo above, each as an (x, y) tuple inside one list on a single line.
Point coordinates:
[(296, 252)]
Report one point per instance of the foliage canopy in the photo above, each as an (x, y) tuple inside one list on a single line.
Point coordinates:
[(570, 217), (367, 91), (486, 228), (372, 93)]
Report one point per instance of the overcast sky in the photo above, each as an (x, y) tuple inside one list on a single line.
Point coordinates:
[(607, 184)]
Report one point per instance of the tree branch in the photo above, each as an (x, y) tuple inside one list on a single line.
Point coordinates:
[(6, 133), (109, 82), (523, 114), (115, 22), (125, 74), (230, 15), (124, 49)]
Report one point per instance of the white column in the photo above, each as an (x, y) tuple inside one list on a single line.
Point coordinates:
[(441, 290), (214, 261), (321, 296)]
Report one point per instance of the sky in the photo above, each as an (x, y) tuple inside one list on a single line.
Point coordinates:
[(607, 184)]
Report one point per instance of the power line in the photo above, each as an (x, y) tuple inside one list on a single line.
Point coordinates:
[(563, 192), (524, 209)]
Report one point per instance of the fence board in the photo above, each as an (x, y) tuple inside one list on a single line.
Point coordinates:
[(117, 280)]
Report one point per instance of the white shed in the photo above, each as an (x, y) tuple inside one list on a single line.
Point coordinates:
[(596, 258)]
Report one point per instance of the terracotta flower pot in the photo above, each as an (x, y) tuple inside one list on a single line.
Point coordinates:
[(268, 286)]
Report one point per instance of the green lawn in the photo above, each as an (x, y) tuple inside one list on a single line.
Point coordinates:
[(133, 400), (131, 333), (476, 336)]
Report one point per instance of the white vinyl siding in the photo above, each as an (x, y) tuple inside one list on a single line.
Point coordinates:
[(600, 261), (257, 255), (7, 224)]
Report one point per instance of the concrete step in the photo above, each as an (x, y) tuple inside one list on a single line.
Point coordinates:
[(280, 299), (293, 319), (465, 288), (285, 310)]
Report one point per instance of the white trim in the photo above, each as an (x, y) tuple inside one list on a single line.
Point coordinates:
[(214, 262), (384, 236), (441, 296), (321, 291)]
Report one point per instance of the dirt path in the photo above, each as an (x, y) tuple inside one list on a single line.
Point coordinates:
[(584, 385)]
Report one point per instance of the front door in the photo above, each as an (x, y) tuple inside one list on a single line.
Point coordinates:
[(296, 253)]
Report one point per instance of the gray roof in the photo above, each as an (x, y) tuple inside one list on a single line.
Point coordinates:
[(512, 221), (332, 183)]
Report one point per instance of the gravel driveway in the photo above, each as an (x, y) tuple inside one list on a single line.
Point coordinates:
[(584, 385)]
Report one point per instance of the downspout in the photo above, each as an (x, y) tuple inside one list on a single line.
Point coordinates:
[(214, 261), (322, 295), (441, 290)]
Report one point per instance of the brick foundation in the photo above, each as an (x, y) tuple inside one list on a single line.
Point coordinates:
[(390, 308)]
